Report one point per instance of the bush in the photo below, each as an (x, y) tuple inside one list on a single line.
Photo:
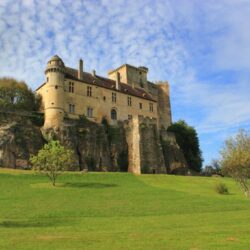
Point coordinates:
[(221, 188)]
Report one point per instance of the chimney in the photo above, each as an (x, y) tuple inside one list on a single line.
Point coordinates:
[(80, 70), (93, 72), (117, 80)]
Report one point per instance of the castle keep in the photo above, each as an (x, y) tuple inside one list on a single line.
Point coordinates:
[(124, 95), (126, 101)]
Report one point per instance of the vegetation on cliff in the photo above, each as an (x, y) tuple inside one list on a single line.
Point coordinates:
[(187, 139), (16, 95)]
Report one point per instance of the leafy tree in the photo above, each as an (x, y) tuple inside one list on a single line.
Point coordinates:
[(213, 168), (16, 95), (188, 141), (236, 159), (52, 159)]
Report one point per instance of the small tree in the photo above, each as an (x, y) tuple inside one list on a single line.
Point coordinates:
[(236, 159), (52, 159)]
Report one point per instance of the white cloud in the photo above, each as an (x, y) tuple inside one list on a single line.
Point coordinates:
[(182, 43)]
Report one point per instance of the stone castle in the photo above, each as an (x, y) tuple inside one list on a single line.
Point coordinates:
[(126, 97)]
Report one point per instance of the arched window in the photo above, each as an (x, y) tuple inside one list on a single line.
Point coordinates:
[(113, 114)]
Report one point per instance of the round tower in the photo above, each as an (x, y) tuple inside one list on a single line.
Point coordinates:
[(54, 93)]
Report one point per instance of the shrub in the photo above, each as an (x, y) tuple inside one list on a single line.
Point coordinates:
[(221, 188)]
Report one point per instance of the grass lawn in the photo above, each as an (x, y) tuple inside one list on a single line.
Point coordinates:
[(120, 211)]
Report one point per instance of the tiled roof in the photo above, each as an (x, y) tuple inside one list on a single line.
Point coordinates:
[(107, 83)]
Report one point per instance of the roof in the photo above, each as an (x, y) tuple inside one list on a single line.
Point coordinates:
[(140, 68), (107, 83)]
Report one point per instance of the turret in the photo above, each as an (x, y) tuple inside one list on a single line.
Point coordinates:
[(54, 93)]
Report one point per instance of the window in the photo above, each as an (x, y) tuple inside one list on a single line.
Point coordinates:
[(89, 112), (129, 101), (71, 108), (71, 87), (130, 117), (89, 91), (140, 105), (151, 107), (113, 114), (113, 97), (47, 79)]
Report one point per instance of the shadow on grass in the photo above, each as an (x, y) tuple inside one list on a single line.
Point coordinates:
[(26, 224), (94, 185)]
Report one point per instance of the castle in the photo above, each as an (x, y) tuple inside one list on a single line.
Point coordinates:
[(127, 101), (125, 95)]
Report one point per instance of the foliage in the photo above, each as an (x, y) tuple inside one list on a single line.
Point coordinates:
[(221, 188), (236, 159), (187, 139), (213, 168), (37, 119), (52, 159), (15, 95)]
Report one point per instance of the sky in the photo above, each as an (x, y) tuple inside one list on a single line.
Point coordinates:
[(202, 48)]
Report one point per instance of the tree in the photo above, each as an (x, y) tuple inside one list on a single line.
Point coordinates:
[(52, 159), (236, 159), (213, 168), (188, 140), (16, 95)]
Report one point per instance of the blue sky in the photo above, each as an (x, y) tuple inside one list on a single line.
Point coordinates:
[(201, 47)]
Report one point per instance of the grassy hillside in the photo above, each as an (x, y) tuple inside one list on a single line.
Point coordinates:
[(120, 211)]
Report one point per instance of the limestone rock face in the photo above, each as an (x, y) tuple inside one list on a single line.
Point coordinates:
[(136, 146), (96, 147), (19, 138), (175, 161)]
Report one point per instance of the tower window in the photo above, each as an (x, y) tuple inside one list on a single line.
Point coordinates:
[(129, 101), (71, 87), (151, 107), (130, 117), (140, 105), (89, 112), (89, 91), (71, 108), (113, 114), (47, 79), (113, 97)]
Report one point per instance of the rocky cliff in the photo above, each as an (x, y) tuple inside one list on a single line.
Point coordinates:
[(96, 147)]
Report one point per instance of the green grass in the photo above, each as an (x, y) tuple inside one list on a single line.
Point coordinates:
[(120, 211)]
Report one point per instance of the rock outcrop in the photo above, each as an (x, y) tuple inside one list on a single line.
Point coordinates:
[(19, 138), (96, 147)]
